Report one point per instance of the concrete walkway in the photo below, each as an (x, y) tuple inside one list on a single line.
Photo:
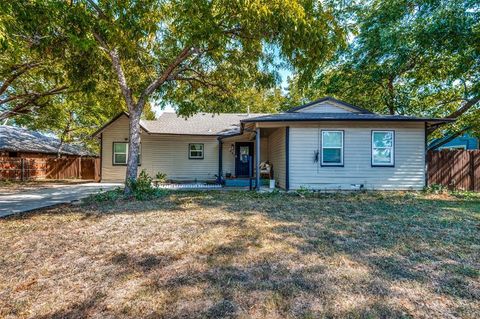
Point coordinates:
[(23, 201)]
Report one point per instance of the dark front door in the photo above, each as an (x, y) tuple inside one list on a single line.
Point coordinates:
[(243, 157)]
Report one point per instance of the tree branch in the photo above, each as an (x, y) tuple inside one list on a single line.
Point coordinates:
[(99, 11), (122, 80), (182, 56), (34, 95), (444, 141), (17, 71), (464, 108)]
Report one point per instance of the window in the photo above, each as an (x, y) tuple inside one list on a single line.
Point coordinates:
[(332, 148), (383, 143), (195, 151), (120, 153)]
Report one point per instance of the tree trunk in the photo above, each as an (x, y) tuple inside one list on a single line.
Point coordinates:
[(133, 148)]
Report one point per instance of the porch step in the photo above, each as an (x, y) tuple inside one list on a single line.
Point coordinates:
[(244, 182)]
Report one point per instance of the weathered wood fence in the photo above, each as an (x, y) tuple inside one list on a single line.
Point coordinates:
[(456, 169), (24, 169)]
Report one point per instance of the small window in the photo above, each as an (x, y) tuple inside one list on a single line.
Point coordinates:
[(332, 148), (383, 143), (120, 153), (195, 151)]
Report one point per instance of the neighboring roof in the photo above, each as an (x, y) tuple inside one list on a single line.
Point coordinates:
[(16, 139), (199, 124), (297, 117), (329, 99)]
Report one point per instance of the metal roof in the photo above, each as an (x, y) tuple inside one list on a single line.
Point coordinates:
[(17, 139), (304, 117)]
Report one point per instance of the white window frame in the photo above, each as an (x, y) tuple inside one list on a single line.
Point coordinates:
[(392, 149), (126, 154), (196, 150), (322, 163)]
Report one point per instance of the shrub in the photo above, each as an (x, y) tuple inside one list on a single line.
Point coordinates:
[(107, 196), (161, 177), (142, 188), (436, 189)]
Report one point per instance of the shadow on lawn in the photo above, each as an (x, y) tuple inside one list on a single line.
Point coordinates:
[(397, 238)]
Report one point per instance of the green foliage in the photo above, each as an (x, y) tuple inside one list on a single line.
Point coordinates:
[(436, 189), (142, 188), (106, 196), (238, 45), (37, 57), (161, 177), (406, 57)]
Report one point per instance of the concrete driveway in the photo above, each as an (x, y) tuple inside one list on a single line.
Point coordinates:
[(26, 200)]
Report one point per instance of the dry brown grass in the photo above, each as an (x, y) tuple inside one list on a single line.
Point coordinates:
[(246, 255)]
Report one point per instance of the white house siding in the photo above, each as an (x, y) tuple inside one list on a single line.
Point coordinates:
[(408, 172), (326, 107), (277, 155), (161, 153), (116, 132)]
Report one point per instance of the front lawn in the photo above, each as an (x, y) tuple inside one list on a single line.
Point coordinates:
[(239, 254)]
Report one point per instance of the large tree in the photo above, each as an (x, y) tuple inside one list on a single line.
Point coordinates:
[(408, 57), (31, 76), (194, 54)]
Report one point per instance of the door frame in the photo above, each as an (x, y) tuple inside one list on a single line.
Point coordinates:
[(237, 156)]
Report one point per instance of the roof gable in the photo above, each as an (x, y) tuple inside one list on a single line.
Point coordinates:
[(328, 105), (113, 120)]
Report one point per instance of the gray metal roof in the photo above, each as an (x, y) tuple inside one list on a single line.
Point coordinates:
[(301, 116), (198, 124), (16, 139)]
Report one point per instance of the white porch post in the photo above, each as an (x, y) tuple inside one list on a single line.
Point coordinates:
[(257, 158)]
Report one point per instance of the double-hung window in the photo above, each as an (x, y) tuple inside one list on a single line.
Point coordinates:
[(195, 151), (120, 153), (332, 148), (383, 144)]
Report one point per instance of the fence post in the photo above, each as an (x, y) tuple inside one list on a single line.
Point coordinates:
[(22, 166), (471, 160), (80, 167)]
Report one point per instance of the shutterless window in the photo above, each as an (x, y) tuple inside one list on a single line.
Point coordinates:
[(195, 151), (383, 144), (332, 148), (120, 153)]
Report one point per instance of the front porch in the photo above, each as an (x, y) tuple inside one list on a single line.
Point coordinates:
[(255, 150)]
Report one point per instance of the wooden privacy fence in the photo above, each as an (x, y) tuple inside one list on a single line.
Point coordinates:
[(23, 169), (456, 169)]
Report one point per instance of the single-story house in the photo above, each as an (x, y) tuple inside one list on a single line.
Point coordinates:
[(24, 143), (325, 144)]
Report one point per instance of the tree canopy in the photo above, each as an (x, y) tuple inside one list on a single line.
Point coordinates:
[(407, 57), (194, 54), (67, 66)]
